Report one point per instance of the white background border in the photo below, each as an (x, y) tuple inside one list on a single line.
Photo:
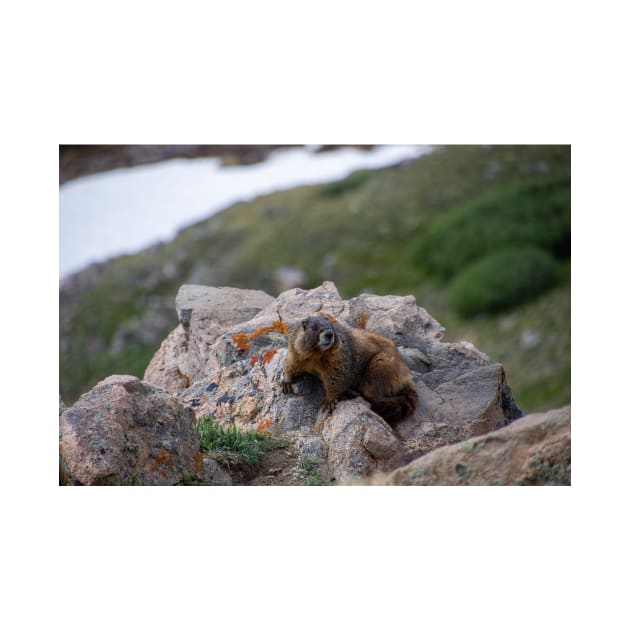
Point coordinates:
[(395, 72)]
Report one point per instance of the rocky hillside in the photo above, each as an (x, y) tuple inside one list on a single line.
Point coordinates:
[(211, 409), (437, 228)]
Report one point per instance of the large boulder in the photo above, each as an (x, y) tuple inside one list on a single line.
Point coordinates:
[(535, 450), (359, 442), (224, 364), (204, 313), (127, 432)]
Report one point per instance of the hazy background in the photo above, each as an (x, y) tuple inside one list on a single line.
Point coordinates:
[(479, 234)]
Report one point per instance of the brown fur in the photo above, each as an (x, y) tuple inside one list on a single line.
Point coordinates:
[(351, 361)]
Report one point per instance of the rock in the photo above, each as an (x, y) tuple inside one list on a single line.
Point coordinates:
[(204, 313), (211, 310), (172, 365), (244, 369), (62, 406), (127, 432), (380, 441), (312, 448), (534, 450), (298, 303), (231, 369), (214, 474), (359, 441), (470, 399), (415, 359), (398, 318)]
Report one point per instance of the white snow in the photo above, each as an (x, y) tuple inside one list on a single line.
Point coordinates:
[(126, 210)]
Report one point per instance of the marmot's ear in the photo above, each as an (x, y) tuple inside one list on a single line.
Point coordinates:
[(304, 323)]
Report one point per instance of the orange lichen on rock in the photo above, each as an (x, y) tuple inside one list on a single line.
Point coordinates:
[(159, 461), (186, 378), (362, 320), (264, 426), (199, 467), (268, 356), (242, 339), (277, 327), (328, 316), (253, 360)]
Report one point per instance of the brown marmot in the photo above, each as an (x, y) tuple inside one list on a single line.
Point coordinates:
[(351, 361)]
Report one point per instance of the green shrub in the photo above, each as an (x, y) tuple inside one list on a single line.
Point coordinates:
[(501, 280), (224, 443), (537, 213)]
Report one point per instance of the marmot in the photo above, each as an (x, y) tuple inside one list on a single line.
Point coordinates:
[(351, 361)]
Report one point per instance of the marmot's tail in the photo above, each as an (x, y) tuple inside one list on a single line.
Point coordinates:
[(394, 408)]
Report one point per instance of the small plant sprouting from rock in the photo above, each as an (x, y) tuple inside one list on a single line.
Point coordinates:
[(226, 445), (307, 474)]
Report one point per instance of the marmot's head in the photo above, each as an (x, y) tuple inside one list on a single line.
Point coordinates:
[(315, 333)]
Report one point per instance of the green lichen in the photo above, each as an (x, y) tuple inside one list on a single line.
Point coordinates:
[(545, 473), (419, 477), (100, 445), (462, 470)]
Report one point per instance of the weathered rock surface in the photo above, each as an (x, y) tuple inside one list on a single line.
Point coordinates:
[(229, 366), (359, 442), (535, 450), (225, 359), (204, 313), (125, 431), (215, 475)]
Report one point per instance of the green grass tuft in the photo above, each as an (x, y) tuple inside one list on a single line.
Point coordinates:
[(224, 444), (307, 473)]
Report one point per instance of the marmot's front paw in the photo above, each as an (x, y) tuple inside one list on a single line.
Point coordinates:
[(328, 406), (286, 387)]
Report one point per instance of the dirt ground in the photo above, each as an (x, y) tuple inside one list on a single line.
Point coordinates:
[(276, 468)]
